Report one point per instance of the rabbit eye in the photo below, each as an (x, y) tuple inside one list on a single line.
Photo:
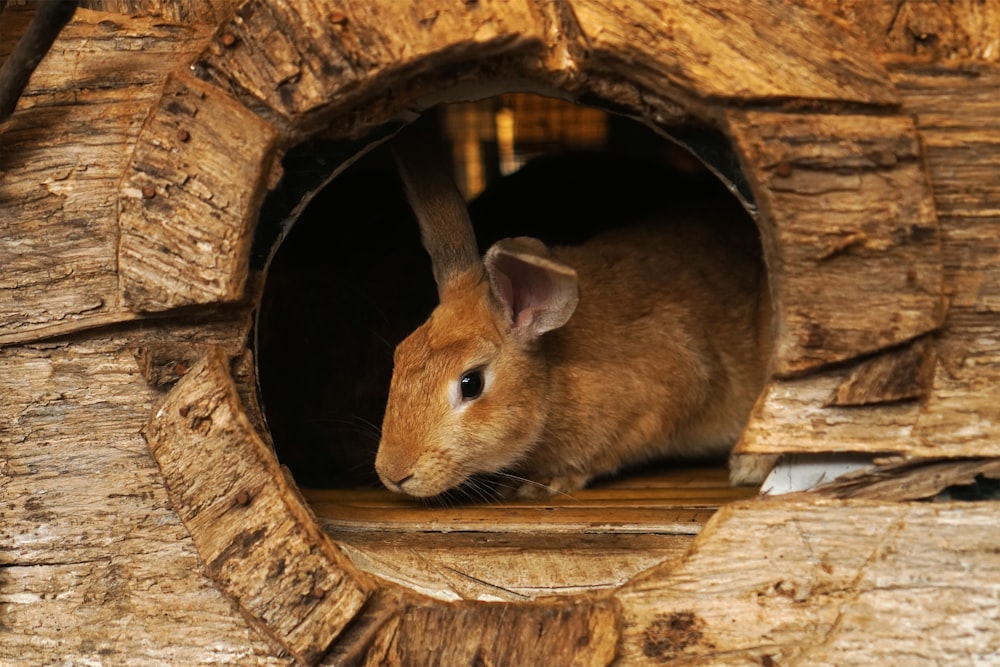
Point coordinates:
[(472, 385)]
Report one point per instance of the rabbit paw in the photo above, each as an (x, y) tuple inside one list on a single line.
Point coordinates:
[(554, 486)]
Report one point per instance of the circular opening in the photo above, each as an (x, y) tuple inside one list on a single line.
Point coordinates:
[(350, 278)]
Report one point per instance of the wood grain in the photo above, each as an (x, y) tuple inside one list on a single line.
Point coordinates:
[(205, 12), (934, 31), (259, 542), (910, 480), (956, 114), (58, 246), (190, 198), (516, 550), (792, 583), (902, 374), (583, 634), (849, 231), (727, 52), (95, 564), (323, 57)]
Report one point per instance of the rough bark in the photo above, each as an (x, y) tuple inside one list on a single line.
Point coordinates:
[(258, 540), (817, 583), (206, 12), (934, 31), (95, 564), (190, 199), (723, 51), (849, 232), (956, 114), (58, 188)]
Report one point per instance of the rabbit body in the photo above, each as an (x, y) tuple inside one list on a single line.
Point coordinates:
[(644, 342)]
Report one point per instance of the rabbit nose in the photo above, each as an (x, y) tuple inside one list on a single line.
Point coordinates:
[(394, 474), (397, 485)]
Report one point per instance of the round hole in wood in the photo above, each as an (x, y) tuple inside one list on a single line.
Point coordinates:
[(350, 280), (243, 536)]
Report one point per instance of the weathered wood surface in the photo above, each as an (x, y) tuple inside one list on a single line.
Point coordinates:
[(724, 51), (492, 567), (957, 113), (788, 583), (98, 567), (968, 29), (190, 198), (258, 540), (905, 373), (849, 232), (909, 480), (291, 60), (537, 635), (64, 152), (516, 550), (206, 12), (95, 565), (938, 31)]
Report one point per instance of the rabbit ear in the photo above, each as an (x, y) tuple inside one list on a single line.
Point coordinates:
[(445, 227), (536, 293)]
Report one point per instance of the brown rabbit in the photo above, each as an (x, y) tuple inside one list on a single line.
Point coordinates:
[(558, 365)]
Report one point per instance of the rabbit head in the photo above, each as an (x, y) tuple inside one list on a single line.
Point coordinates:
[(468, 391)]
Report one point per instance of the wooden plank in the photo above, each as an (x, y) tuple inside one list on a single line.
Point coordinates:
[(258, 540), (294, 58), (95, 565), (188, 207), (58, 217), (669, 520), (728, 52), (789, 583), (849, 230), (517, 550), (514, 567)]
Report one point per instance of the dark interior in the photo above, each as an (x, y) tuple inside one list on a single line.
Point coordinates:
[(351, 279)]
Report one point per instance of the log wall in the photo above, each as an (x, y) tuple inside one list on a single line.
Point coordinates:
[(100, 562)]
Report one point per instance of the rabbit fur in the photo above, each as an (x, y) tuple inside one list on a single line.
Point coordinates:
[(645, 342)]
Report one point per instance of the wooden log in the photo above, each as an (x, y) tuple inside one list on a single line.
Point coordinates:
[(849, 233), (95, 564), (956, 114), (258, 540), (59, 246), (730, 52), (790, 583), (933, 31), (290, 60), (190, 198), (204, 12)]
